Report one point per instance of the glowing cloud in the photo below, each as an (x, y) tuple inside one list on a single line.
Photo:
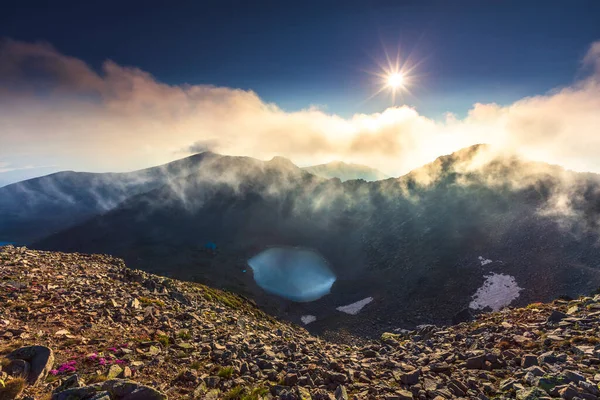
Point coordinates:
[(121, 118)]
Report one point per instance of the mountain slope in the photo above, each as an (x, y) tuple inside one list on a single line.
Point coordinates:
[(346, 172), (103, 320), (37, 207), (420, 246)]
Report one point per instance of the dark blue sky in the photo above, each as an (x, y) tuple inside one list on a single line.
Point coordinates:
[(297, 53)]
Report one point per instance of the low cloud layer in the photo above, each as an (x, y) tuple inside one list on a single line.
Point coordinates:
[(57, 110)]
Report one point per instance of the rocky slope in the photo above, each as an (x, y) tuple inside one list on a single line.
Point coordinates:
[(131, 335), (421, 246)]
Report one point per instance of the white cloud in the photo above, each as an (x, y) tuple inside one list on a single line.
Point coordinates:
[(122, 119)]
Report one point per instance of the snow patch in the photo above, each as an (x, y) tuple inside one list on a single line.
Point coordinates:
[(498, 291), (355, 308), (307, 319), (484, 261)]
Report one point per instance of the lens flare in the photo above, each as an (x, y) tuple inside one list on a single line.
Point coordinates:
[(395, 76), (395, 80)]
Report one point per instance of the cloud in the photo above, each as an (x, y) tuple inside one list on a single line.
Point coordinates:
[(57, 110)]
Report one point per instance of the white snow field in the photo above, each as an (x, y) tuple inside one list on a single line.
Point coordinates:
[(307, 319), (498, 291), (484, 261), (355, 308)]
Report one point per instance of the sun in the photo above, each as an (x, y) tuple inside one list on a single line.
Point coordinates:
[(395, 80), (396, 76)]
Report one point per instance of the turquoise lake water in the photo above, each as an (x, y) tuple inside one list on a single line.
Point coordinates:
[(297, 274)]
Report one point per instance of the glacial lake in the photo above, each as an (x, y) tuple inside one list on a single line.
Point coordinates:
[(297, 274)]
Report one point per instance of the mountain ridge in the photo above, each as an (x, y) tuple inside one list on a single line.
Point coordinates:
[(346, 171), (410, 240)]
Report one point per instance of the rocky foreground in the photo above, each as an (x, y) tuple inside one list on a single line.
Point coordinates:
[(76, 326)]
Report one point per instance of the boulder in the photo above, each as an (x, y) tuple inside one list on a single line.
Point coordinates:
[(40, 359), (17, 368), (114, 389), (71, 382), (556, 316)]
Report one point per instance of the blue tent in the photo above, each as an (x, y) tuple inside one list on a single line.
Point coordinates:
[(210, 246)]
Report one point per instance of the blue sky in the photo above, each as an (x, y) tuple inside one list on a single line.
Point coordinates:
[(118, 86), (315, 52)]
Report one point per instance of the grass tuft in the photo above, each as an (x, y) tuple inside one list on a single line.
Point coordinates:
[(225, 372), (184, 334), (11, 389)]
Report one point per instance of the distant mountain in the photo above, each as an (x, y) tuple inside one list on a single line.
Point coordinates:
[(471, 231), (346, 172), (35, 208), (17, 175)]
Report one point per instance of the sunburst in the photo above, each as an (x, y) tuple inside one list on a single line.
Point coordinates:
[(395, 76)]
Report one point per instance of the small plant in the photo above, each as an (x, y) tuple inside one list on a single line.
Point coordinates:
[(585, 339), (234, 393), (255, 394), (146, 301), (184, 334), (225, 372), (163, 339), (529, 345), (534, 306), (11, 389), (196, 365), (96, 379)]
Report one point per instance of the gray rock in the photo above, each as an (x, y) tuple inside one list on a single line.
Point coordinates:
[(101, 396), (530, 394), (338, 377), (556, 316), (439, 367), (547, 358), (340, 393), (476, 362), (403, 395), (17, 368), (71, 382), (573, 376), (529, 360), (568, 393), (76, 393), (40, 359), (290, 379), (212, 381), (120, 389), (409, 378)]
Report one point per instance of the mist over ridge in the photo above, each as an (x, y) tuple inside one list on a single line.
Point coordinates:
[(413, 239), (116, 119)]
